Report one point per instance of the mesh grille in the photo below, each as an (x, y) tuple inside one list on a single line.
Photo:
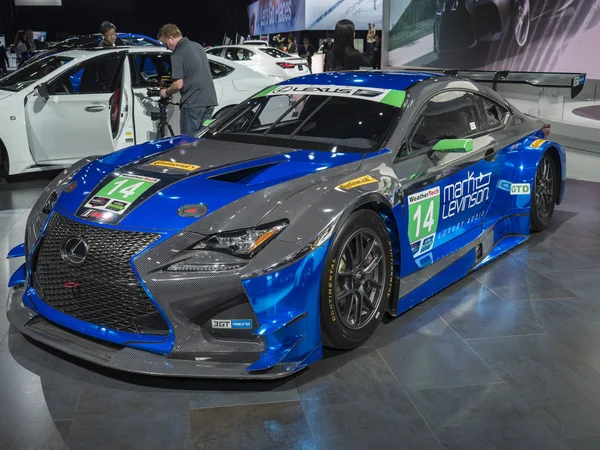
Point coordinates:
[(108, 292)]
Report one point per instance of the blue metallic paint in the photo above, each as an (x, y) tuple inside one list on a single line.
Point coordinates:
[(19, 277), (398, 81), (16, 252)]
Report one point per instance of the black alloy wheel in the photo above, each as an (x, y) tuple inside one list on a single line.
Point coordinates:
[(357, 281), (543, 197)]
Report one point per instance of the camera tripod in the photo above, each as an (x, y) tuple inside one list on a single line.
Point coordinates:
[(162, 118)]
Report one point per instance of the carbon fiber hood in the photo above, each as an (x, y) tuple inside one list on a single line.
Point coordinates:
[(144, 189)]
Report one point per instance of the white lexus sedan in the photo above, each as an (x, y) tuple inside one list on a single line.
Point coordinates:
[(78, 103), (264, 59)]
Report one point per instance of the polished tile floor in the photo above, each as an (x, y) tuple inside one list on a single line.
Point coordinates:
[(508, 358)]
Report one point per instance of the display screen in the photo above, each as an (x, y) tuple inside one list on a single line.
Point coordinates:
[(276, 16), (521, 35), (38, 2), (324, 14)]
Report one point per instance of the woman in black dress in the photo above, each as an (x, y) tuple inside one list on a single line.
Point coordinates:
[(343, 55)]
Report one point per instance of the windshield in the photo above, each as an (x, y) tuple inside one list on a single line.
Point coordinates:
[(316, 122), (32, 72), (81, 41)]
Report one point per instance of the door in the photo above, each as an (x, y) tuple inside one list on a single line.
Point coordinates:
[(81, 116), (446, 193), (147, 71)]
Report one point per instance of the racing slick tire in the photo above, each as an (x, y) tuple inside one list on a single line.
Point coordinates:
[(543, 195), (3, 164), (357, 281)]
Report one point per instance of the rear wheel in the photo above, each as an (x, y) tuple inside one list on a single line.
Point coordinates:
[(543, 198), (357, 281)]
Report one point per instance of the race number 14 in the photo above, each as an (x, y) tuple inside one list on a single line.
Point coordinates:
[(423, 210)]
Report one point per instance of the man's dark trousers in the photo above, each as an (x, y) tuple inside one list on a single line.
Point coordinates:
[(192, 119)]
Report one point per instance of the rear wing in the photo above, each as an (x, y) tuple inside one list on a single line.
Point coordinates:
[(573, 81)]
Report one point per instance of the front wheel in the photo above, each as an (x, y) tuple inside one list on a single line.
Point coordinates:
[(543, 198), (3, 165), (357, 281)]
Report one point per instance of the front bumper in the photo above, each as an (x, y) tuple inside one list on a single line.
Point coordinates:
[(132, 360)]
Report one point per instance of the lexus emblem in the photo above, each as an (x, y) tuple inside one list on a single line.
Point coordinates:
[(74, 251)]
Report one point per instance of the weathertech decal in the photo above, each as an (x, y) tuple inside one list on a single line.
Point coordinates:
[(174, 165), (367, 179)]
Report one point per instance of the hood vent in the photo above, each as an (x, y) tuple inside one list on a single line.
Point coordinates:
[(244, 176)]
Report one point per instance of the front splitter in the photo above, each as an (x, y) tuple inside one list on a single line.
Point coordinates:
[(128, 359)]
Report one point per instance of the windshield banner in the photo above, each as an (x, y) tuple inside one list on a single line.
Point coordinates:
[(389, 96)]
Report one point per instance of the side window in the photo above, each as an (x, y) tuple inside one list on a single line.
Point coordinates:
[(219, 70), (449, 115), (147, 68), (494, 114), (214, 51), (95, 76), (238, 54)]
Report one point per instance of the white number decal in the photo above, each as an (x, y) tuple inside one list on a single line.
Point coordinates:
[(429, 221), (130, 190), (118, 184), (417, 219)]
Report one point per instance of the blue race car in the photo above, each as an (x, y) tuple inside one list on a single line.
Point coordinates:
[(88, 41), (295, 221)]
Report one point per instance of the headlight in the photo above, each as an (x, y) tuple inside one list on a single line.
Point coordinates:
[(242, 243)]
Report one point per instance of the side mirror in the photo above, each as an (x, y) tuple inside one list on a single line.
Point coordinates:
[(42, 90), (454, 146)]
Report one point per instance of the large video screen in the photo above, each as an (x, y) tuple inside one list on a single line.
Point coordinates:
[(38, 2), (518, 35), (276, 16), (324, 14)]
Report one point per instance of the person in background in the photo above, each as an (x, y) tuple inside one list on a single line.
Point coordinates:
[(192, 77), (327, 46), (20, 46), (291, 48), (3, 61), (306, 51), (109, 34), (29, 41), (343, 55), (377, 53)]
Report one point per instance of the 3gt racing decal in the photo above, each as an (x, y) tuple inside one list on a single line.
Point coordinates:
[(388, 96), (235, 324), (175, 165), (120, 193), (423, 215), (367, 179)]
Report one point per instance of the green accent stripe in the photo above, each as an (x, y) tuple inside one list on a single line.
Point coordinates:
[(394, 98), (266, 91)]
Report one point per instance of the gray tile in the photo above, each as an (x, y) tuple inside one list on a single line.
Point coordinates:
[(243, 393), (555, 259), (112, 418), (352, 393), (573, 322), (474, 311), (549, 378), (424, 352), (25, 435), (586, 443), (514, 281), (590, 254), (483, 417), (265, 426), (583, 283)]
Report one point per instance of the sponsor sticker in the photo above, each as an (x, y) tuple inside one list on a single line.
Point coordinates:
[(117, 206), (97, 202), (234, 324), (367, 179), (473, 126), (175, 165), (423, 215), (94, 214), (538, 143), (520, 189)]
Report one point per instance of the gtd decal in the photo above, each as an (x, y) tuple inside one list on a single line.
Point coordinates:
[(520, 189), (466, 194)]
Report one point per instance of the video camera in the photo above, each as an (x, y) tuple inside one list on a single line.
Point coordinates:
[(156, 85)]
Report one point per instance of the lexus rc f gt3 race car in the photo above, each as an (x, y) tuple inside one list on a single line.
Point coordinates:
[(295, 221)]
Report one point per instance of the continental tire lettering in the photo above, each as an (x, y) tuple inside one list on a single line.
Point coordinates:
[(330, 291), (389, 291)]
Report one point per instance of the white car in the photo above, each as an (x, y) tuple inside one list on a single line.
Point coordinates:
[(255, 42), (78, 103), (264, 59)]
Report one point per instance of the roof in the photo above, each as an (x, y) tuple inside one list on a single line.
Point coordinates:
[(366, 79), (82, 53)]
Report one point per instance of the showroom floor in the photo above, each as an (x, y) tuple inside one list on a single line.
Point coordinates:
[(506, 359)]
